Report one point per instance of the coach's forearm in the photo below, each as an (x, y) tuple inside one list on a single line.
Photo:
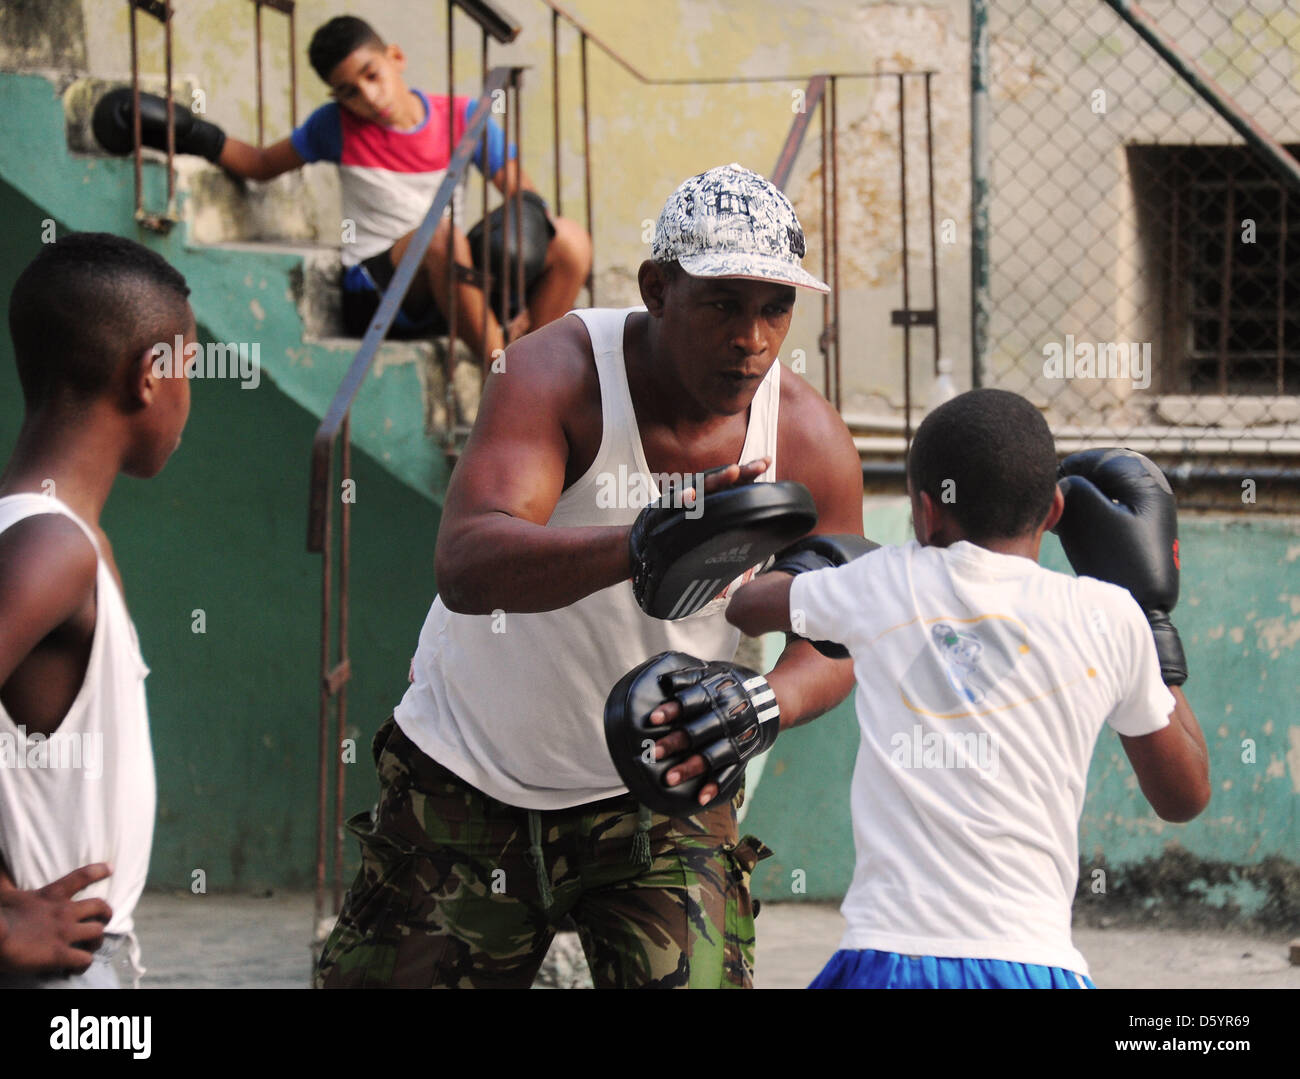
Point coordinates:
[(502, 563)]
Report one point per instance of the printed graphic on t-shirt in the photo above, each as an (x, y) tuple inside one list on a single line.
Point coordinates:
[(963, 660)]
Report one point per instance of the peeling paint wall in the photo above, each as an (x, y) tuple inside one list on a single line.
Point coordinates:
[(47, 34), (648, 139), (1239, 613)]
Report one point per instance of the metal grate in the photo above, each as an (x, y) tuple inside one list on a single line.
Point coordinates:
[(1142, 248)]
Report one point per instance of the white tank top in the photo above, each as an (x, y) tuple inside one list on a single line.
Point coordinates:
[(515, 704), (86, 793)]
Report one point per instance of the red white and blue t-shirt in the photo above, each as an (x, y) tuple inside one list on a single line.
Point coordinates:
[(389, 177)]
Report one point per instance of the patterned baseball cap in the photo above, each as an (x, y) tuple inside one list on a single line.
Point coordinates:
[(731, 222)]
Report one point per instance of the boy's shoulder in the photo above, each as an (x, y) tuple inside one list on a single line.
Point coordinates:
[(48, 562), (324, 135), (41, 525)]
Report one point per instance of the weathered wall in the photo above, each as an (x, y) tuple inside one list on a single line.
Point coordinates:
[(223, 530), (232, 504), (648, 139), (42, 34), (1075, 227)]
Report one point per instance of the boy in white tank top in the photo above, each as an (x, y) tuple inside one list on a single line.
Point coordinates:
[(76, 766)]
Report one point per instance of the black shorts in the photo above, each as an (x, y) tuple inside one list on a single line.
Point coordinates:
[(363, 289)]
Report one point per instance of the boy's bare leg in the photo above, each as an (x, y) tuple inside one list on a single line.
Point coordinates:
[(568, 261), (431, 280)]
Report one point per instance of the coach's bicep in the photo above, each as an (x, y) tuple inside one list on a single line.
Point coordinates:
[(514, 460), (818, 451)]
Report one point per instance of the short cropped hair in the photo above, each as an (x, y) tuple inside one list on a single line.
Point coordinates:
[(85, 305), (336, 40), (997, 450)]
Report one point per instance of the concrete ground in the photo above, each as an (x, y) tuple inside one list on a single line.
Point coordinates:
[(240, 942)]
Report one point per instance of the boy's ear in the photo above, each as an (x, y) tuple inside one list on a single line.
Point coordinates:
[(396, 55), (1054, 513), (154, 363)]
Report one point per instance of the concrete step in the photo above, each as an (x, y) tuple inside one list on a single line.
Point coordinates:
[(300, 207), (447, 416)]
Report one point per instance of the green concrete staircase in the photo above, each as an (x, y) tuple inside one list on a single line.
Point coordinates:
[(260, 264)]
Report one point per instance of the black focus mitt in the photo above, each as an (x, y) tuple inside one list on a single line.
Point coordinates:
[(728, 713), (684, 556)]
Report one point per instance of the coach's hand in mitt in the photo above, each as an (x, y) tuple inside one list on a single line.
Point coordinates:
[(688, 546), (722, 711)]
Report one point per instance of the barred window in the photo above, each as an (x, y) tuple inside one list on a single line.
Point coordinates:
[(1223, 236)]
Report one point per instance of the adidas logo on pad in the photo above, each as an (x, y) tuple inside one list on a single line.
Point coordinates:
[(736, 554)]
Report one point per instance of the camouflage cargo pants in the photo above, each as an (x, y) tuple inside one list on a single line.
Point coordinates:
[(450, 892)]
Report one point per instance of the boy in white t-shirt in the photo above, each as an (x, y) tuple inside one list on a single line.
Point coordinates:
[(983, 682)]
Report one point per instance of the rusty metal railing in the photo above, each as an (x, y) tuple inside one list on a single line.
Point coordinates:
[(493, 24), (334, 428), (285, 7), (163, 11), (820, 95)]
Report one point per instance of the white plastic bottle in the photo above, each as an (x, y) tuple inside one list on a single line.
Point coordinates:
[(944, 388)]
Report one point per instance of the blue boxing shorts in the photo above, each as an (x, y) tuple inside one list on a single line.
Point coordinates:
[(867, 969)]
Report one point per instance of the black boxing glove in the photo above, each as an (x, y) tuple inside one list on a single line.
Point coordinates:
[(537, 233), (822, 551), (1121, 525), (113, 125)]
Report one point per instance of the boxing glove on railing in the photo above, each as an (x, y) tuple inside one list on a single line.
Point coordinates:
[(113, 122)]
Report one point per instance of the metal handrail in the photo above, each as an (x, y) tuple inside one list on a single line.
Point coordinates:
[(819, 93), (492, 20), (334, 676), (1275, 155), (790, 150), (162, 11), (286, 8)]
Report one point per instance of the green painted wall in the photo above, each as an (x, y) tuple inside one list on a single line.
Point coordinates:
[(1239, 616)]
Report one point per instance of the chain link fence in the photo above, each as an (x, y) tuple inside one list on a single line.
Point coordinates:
[(1144, 284)]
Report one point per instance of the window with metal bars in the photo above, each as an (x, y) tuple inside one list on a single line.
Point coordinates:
[(1224, 237)]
